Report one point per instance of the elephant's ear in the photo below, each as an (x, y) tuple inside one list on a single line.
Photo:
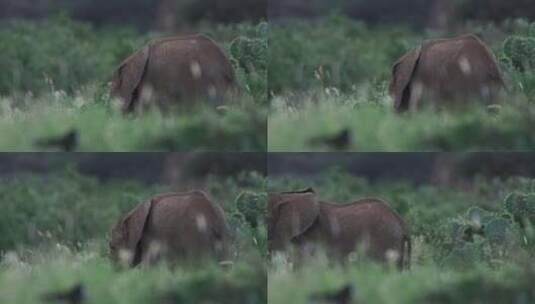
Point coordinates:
[(133, 226), (296, 214), (126, 82), (402, 74)]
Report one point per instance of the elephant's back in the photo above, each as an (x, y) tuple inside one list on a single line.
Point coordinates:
[(381, 209), (186, 222), (370, 220), (174, 207), (302, 195), (464, 62), (191, 211), (194, 57)]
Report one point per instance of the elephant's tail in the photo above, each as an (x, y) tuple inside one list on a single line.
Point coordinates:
[(406, 249)]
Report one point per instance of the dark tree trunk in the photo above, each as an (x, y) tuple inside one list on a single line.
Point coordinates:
[(166, 12), (441, 15)]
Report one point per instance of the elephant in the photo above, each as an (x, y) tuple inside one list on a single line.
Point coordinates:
[(300, 220), (175, 70), (446, 71), (176, 226)]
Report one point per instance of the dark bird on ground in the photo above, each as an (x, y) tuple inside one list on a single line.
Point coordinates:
[(74, 295), (338, 141), (67, 142), (172, 298), (343, 295)]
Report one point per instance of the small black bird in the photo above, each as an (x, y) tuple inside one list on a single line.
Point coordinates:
[(67, 142), (75, 295), (172, 297), (343, 295), (338, 141)]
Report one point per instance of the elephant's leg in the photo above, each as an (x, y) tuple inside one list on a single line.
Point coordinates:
[(148, 252)]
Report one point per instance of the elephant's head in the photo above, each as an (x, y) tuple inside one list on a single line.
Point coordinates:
[(127, 79), (127, 233), (290, 214), (402, 76)]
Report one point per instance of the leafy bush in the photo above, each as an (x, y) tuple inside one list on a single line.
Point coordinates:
[(519, 60), (481, 236), (65, 207), (521, 206), (59, 54), (521, 51), (335, 52), (252, 207), (250, 59)]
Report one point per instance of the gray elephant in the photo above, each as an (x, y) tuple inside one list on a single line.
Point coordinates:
[(299, 219), (175, 226), (178, 70), (446, 71)]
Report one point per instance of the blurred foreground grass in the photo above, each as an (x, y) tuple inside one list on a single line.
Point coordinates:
[(26, 280), (425, 284), (374, 126), (102, 128)]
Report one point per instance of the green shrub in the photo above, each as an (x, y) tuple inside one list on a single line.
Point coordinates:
[(521, 51), (252, 207), (250, 59), (334, 52), (521, 206), (58, 54), (64, 207), (250, 212)]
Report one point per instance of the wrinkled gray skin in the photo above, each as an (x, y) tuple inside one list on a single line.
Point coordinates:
[(174, 226), (178, 70), (446, 72), (299, 219)]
